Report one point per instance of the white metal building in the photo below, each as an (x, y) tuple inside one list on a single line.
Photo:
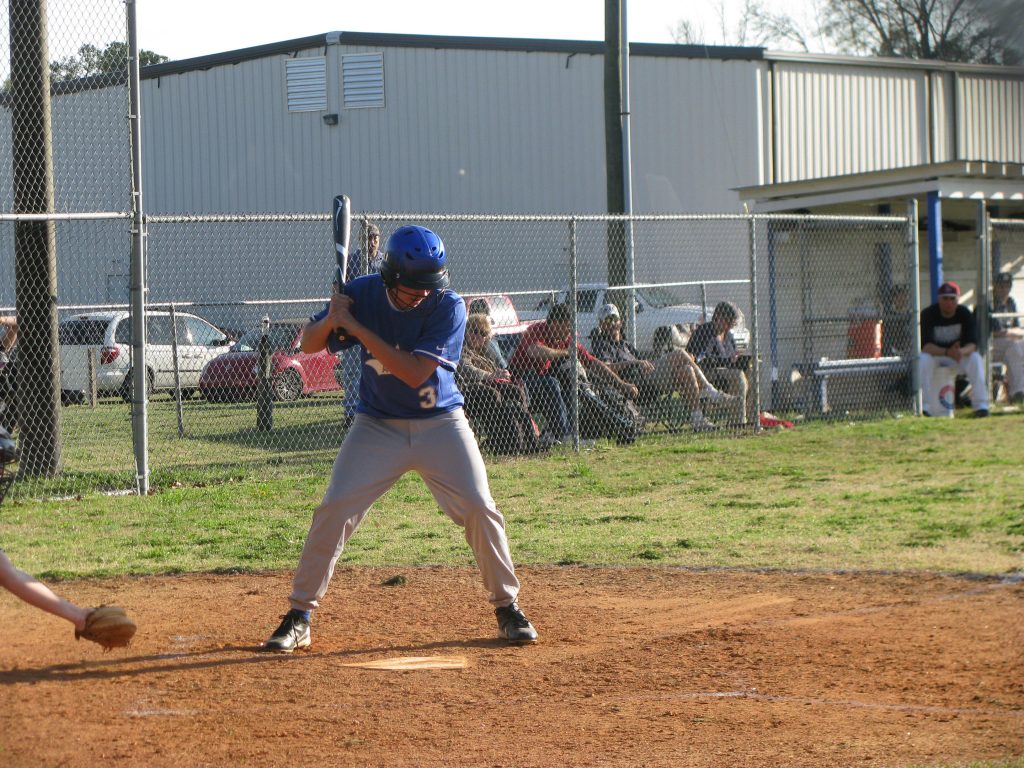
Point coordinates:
[(424, 123), (453, 124), (446, 124)]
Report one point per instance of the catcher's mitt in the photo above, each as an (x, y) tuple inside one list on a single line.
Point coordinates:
[(109, 626)]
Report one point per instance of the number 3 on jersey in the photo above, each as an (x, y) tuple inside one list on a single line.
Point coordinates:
[(428, 397)]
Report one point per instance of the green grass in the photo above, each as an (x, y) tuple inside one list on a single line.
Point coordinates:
[(899, 494), (1011, 763)]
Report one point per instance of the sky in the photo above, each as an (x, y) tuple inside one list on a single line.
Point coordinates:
[(184, 28)]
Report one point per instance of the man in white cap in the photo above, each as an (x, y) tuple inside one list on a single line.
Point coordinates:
[(675, 371)]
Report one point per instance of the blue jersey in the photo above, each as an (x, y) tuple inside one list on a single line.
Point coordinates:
[(434, 329)]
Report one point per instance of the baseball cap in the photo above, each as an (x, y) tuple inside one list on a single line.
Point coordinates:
[(606, 311), (949, 288), (1004, 278)]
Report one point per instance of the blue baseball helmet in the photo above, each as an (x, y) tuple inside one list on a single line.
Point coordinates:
[(415, 258)]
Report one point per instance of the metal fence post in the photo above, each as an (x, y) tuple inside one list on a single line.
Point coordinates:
[(90, 392), (914, 265), (755, 367), (264, 391), (982, 307), (140, 397), (177, 371), (574, 399)]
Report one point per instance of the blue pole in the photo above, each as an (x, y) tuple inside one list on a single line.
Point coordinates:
[(934, 244)]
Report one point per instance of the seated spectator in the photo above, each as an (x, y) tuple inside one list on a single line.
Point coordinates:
[(713, 346), (8, 404), (675, 371), (1008, 337), (543, 346), (496, 404), (9, 337), (949, 340)]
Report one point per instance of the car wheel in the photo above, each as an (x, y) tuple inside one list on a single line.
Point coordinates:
[(287, 386), (126, 387), (186, 394)]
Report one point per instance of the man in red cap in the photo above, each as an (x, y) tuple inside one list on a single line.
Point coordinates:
[(949, 340)]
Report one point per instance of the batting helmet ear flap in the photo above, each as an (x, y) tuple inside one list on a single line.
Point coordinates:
[(389, 273)]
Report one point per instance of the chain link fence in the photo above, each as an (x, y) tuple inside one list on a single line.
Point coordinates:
[(65, 206), (702, 323), (213, 280), (820, 335), (838, 322), (1006, 348)]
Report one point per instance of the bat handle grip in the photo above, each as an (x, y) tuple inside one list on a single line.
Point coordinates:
[(339, 282)]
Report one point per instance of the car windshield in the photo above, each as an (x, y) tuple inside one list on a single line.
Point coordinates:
[(281, 338), (82, 332)]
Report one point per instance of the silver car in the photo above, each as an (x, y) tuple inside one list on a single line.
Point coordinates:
[(110, 335)]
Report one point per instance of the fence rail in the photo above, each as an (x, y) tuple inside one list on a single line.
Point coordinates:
[(809, 289)]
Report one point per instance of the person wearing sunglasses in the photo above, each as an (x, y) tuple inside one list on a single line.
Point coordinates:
[(496, 404)]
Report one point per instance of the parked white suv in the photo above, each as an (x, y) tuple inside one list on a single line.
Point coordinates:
[(661, 321), (110, 334)]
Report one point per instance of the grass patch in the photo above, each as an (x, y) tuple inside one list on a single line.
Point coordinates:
[(894, 494)]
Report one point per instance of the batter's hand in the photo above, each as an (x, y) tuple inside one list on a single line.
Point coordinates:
[(339, 313)]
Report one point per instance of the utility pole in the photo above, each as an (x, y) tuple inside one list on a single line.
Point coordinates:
[(37, 372)]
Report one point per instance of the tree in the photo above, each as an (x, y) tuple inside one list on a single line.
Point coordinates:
[(753, 24), (979, 31), (91, 61)]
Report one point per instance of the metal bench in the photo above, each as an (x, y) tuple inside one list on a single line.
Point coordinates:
[(825, 369)]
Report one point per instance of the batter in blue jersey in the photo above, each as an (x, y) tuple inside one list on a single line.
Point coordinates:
[(431, 330), (409, 327)]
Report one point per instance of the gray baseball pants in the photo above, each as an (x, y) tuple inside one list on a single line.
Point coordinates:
[(375, 453)]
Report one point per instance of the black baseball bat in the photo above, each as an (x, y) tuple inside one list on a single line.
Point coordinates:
[(342, 224)]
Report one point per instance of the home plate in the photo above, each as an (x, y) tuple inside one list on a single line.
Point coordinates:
[(405, 663)]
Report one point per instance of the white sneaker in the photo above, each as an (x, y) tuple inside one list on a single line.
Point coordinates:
[(714, 395), (701, 424)]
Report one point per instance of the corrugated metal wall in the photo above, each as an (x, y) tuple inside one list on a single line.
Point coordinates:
[(991, 118), (836, 120), (462, 130), (695, 133), (841, 119)]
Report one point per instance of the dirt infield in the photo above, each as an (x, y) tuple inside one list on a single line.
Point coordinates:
[(637, 667)]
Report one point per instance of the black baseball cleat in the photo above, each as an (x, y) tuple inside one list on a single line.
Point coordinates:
[(293, 633), (514, 626)]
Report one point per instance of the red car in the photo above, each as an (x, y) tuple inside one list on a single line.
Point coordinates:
[(234, 375)]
